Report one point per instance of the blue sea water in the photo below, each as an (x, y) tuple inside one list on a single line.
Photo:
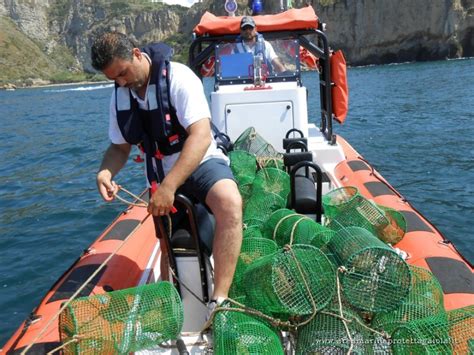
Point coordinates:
[(413, 122)]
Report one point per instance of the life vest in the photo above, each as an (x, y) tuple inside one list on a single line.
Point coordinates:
[(258, 49), (156, 131)]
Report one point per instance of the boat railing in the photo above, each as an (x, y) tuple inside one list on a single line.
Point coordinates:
[(204, 47)]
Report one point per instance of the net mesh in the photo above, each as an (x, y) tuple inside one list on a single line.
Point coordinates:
[(260, 206), (288, 227), (425, 299), (377, 279), (254, 143), (461, 330), (294, 281), (244, 168), (301, 231), (322, 238), (122, 321), (251, 250), (238, 333), (243, 165), (272, 180), (327, 334), (378, 287), (422, 336), (252, 232), (272, 221), (396, 228)]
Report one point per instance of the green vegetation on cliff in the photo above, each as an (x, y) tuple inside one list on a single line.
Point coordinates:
[(20, 57), (23, 61)]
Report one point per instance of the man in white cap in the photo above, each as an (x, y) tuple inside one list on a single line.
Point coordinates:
[(247, 43)]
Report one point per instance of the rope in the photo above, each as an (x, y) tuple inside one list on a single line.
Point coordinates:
[(262, 162), (73, 340), (247, 310), (142, 204), (308, 289), (341, 314), (275, 230), (186, 287), (101, 266), (294, 227)]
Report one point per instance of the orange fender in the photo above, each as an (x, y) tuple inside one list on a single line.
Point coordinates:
[(339, 89)]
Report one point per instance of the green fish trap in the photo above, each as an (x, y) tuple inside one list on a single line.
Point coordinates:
[(254, 143), (260, 206), (272, 180), (292, 281), (287, 227), (251, 250), (122, 321), (252, 232), (345, 207), (236, 333), (244, 168), (425, 299), (376, 277), (422, 336), (461, 330), (326, 333), (243, 165)]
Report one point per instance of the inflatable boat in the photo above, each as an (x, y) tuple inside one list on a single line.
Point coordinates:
[(248, 94)]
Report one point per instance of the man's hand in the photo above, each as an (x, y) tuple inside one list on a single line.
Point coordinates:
[(107, 187), (161, 201), (114, 159)]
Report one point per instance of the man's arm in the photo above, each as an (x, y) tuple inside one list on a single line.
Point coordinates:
[(194, 149), (114, 159), (278, 65), (275, 60)]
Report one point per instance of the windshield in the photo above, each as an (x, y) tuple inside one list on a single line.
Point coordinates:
[(274, 60)]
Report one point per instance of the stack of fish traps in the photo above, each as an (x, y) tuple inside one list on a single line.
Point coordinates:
[(335, 288), (331, 289)]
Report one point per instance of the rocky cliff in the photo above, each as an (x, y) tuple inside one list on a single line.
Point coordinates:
[(369, 31)]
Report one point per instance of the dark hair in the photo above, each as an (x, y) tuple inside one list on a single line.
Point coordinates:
[(108, 46)]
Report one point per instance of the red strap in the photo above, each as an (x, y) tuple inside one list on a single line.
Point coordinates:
[(173, 138), (138, 159), (158, 155)]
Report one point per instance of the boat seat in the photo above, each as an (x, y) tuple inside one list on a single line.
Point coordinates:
[(306, 188), (305, 195)]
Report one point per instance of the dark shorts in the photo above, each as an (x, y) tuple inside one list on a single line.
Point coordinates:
[(204, 177)]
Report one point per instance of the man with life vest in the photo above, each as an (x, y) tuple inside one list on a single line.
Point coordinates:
[(161, 106), (250, 41)]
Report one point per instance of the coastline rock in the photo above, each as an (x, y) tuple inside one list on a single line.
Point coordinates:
[(8, 86), (30, 82)]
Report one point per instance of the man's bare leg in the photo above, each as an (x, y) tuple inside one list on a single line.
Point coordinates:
[(226, 204)]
